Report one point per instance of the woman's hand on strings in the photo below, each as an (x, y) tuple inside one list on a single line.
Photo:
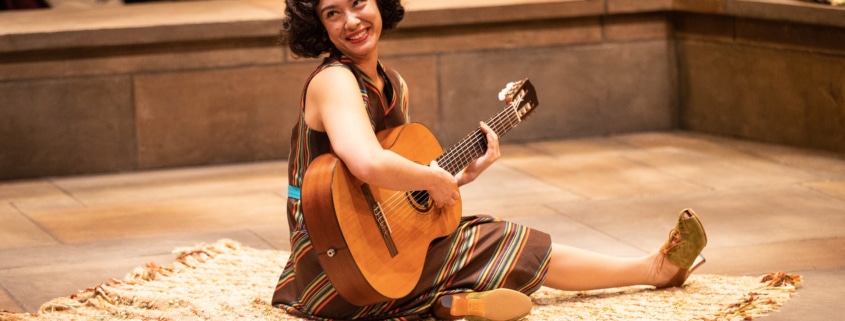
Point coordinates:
[(477, 166), (444, 190)]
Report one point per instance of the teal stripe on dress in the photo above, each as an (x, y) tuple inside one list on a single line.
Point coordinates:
[(294, 192)]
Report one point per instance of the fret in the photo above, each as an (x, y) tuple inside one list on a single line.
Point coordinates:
[(474, 145)]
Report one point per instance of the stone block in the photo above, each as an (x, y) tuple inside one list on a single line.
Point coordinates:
[(49, 272), (66, 126), (19, 231), (629, 27), (494, 36), (743, 217), (763, 94), (702, 6), (8, 303), (151, 23), (603, 175), (420, 74), (794, 11), (217, 116), (36, 195), (137, 220), (628, 6), (792, 36), (707, 27), (451, 13), (584, 90), (146, 59), (161, 186)]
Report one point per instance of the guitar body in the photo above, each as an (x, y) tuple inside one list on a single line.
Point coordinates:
[(373, 242), (352, 246)]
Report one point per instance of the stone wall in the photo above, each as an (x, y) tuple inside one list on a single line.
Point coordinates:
[(180, 84), (773, 81), (142, 86)]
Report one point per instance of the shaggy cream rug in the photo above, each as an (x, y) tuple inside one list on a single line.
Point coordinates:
[(228, 281)]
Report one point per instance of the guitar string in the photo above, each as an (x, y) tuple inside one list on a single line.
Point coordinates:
[(394, 202), (496, 123), (447, 163)]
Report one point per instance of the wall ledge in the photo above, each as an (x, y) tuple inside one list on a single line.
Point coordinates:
[(168, 22)]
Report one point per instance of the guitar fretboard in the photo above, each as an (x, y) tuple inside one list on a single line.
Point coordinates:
[(474, 145)]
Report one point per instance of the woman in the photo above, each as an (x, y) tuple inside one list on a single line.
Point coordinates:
[(492, 264)]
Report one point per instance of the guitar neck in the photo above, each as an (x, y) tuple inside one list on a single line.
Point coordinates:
[(474, 145)]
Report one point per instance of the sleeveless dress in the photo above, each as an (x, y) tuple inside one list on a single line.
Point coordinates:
[(482, 254)]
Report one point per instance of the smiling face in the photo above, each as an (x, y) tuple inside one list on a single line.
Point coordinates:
[(353, 26)]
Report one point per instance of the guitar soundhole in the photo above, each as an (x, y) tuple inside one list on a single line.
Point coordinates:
[(419, 200)]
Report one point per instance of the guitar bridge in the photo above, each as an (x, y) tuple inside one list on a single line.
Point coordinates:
[(381, 220)]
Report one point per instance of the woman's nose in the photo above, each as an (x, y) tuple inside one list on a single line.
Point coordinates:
[(352, 21)]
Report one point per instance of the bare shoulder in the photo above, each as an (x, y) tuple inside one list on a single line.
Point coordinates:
[(328, 95), (332, 79), (332, 88)]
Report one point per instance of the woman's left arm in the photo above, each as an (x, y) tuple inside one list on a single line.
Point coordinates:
[(471, 172)]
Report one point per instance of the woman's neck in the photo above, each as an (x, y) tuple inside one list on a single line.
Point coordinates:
[(367, 63), (370, 68)]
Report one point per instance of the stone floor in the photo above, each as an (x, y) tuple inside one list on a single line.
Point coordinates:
[(766, 208)]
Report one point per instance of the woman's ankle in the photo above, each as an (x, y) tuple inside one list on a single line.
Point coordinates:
[(661, 269)]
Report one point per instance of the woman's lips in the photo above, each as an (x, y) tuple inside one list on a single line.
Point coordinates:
[(359, 36)]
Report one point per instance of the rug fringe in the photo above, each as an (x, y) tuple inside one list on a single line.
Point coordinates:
[(103, 297), (227, 281), (775, 290)]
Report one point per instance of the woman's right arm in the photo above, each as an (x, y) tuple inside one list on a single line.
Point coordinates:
[(334, 105)]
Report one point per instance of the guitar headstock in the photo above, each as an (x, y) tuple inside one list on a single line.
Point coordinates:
[(520, 96)]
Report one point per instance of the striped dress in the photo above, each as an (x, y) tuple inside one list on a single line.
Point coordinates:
[(483, 253)]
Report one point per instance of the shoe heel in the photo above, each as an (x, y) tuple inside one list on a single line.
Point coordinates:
[(699, 261)]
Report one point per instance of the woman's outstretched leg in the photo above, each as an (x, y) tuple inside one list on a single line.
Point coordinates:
[(576, 269)]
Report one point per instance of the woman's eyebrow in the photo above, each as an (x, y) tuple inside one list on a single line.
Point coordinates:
[(331, 6)]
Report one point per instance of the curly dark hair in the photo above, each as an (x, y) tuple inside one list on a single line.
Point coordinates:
[(304, 33)]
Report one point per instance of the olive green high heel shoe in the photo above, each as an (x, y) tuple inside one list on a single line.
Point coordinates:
[(684, 246)]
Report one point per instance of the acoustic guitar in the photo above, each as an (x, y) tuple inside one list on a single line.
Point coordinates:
[(372, 242)]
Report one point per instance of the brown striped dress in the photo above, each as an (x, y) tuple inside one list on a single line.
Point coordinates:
[(483, 253)]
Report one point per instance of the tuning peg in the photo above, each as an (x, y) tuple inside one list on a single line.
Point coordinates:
[(506, 91)]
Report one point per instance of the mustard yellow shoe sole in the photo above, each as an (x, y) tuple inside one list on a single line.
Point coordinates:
[(493, 305)]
